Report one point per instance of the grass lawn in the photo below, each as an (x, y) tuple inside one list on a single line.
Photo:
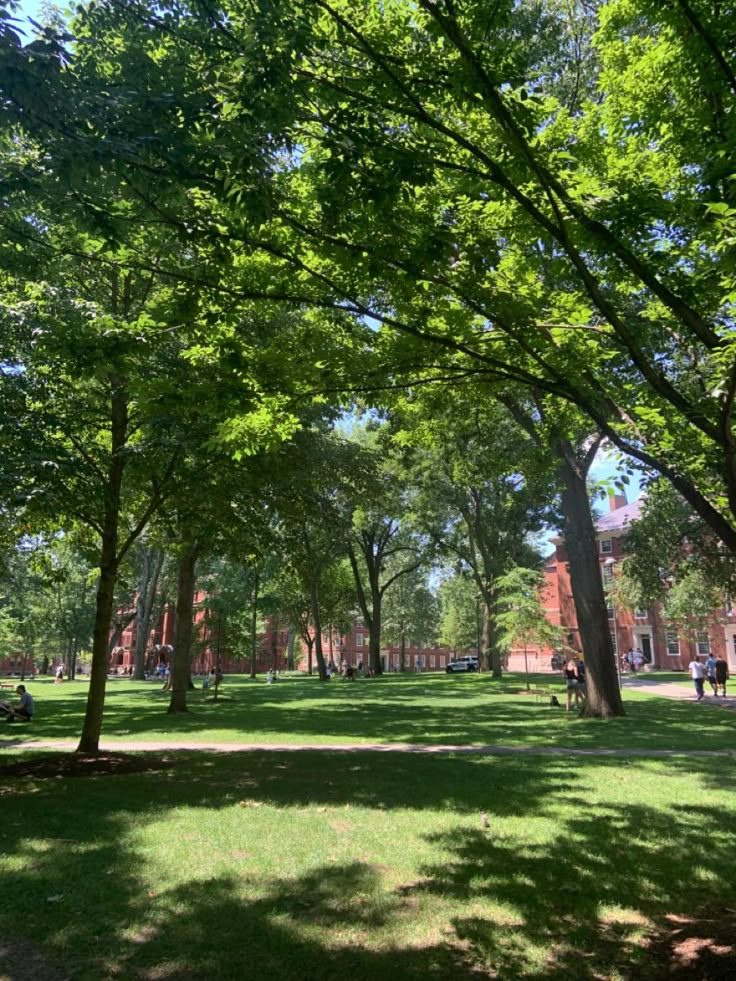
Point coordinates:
[(363, 866), (431, 708)]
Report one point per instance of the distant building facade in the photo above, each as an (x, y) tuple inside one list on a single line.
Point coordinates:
[(664, 645)]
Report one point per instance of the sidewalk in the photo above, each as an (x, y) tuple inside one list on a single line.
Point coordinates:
[(669, 689), (138, 746)]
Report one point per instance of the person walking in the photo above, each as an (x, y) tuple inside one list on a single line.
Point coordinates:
[(697, 673), (710, 671), (721, 675)]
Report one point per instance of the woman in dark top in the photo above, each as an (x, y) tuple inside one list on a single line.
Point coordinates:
[(573, 682)]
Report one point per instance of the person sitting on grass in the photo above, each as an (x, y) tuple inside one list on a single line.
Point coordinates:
[(23, 710)]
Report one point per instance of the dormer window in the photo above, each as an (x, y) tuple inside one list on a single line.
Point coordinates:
[(606, 546)]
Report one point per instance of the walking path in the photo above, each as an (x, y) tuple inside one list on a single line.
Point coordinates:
[(138, 746), (671, 689)]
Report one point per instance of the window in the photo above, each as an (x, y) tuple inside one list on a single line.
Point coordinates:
[(442, 660), (607, 575), (614, 642), (703, 642), (729, 607), (432, 660), (640, 614), (606, 546), (673, 643), (359, 640), (610, 611)]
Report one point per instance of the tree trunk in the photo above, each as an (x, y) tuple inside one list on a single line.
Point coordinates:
[(374, 634), (179, 678), (402, 652), (604, 697), (146, 597), (290, 638), (317, 621), (253, 627), (490, 659), (92, 726)]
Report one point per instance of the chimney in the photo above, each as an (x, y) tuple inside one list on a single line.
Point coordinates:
[(616, 501)]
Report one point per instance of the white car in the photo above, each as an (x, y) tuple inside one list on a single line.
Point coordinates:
[(468, 663)]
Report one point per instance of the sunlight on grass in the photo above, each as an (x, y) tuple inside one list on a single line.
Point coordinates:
[(324, 865), (434, 709)]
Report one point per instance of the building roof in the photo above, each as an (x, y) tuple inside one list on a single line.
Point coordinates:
[(619, 519)]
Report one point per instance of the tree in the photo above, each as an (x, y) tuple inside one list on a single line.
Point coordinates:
[(460, 623), (410, 611), (480, 493), (523, 620)]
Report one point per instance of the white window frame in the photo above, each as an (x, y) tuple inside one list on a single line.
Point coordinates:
[(671, 637), (702, 645), (359, 640), (607, 574), (606, 546), (614, 641), (641, 614), (728, 604), (611, 611), (432, 661)]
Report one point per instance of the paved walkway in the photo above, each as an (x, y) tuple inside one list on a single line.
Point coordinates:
[(137, 746), (671, 689)]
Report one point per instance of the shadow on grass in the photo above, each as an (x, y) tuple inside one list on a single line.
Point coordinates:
[(432, 709), (570, 904)]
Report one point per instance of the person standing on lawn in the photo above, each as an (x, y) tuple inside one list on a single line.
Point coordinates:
[(23, 710), (697, 673), (721, 675), (710, 670), (572, 682)]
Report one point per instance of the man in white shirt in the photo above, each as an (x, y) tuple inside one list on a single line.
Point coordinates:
[(697, 673)]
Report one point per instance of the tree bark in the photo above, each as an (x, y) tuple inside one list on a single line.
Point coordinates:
[(604, 697), (290, 638), (90, 739), (374, 634), (254, 627), (183, 633), (317, 621), (144, 606), (402, 652)]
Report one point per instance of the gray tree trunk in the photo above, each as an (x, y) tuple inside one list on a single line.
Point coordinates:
[(604, 695), (180, 667)]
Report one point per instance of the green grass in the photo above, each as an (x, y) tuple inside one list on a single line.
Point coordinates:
[(362, 866), (436, 709)]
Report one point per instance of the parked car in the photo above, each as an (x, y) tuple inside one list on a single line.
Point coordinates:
[(468, 663)]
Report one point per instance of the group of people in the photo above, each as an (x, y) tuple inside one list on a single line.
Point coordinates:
[(715, 670), (634, 660)]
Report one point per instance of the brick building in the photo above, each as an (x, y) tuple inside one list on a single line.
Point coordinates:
[(663, 644), (272, 646)]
